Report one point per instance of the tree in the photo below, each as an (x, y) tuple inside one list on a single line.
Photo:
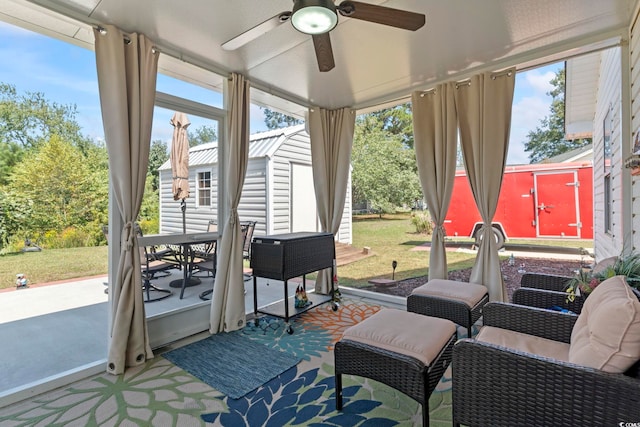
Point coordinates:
[(157, 156), (202, 135), (547, 140), (276, 120), (10, 155), (384, 169), (398, 120), (30, 119), (60, 187)]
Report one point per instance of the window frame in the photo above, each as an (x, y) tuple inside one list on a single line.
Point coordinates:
[(198, 189)]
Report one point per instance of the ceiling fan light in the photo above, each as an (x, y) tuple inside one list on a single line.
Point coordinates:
[(314, 16)]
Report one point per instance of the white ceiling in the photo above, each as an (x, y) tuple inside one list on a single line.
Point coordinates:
[(375, 64)]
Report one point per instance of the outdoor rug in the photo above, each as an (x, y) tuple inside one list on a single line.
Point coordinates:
[(160, 393), (231, 363)]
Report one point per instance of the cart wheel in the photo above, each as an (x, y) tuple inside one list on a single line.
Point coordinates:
[(289, 329), (334, 306)]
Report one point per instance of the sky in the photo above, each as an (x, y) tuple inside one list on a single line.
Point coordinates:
[(66, 74)]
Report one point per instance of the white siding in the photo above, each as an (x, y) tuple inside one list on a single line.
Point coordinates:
[(253, 201), (634, 48), (259, 186), (297, 149), (197, 218), (608, 102)]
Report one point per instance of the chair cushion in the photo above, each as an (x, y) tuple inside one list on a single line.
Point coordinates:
[(524, 342), (606, 335), (468, 293), (411, 334)]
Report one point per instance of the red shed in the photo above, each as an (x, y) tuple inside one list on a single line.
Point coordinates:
[(547, 200)]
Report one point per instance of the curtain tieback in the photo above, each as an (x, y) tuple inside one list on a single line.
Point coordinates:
[(127, 236), (485, 227), (233, 213), (441, 229)]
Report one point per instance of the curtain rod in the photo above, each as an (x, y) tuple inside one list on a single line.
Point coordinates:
[(467, 82), (125, 37)]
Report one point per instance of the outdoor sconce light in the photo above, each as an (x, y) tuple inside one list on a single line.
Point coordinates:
[(314, 16)]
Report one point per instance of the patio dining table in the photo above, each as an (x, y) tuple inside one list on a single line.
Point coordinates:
[(186, 241)]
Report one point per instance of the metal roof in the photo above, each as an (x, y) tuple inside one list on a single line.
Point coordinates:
[(261, 144)]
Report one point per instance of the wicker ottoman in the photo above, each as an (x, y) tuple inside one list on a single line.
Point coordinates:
[(406, 351), (460, 302)]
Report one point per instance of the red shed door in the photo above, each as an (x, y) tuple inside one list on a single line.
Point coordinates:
[(557, 207)]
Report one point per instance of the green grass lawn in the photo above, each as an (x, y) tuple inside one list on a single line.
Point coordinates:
[(391, 238), (53, 264)]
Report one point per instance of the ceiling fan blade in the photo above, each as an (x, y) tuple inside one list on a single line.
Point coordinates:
[(257, 31), (324, 52), (382, 15)]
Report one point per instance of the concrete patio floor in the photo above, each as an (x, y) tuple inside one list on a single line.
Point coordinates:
[(53, 330), (57, 333)]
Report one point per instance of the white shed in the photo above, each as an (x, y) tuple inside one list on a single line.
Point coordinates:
[(278, 189)]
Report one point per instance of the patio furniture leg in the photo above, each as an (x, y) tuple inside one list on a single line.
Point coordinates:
[(425, 414), (338, 392)]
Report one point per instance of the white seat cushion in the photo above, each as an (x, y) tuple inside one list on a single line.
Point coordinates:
[(524, 342), (415, 335), (607, 333), (468, 293)]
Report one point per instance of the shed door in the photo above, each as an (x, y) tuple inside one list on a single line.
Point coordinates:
[(557, 208), (303, 199)]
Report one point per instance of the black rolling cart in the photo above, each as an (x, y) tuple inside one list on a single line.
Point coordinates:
[(285, 256)]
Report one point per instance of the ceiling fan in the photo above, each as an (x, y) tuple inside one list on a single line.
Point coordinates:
[(318, 17)]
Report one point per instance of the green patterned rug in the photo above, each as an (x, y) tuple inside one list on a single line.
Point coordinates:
[(161, 394)]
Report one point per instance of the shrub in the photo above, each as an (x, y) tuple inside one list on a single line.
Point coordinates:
[(70, 237), (150, 226), (422, 222)]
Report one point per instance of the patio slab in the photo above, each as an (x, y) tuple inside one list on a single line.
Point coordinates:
[(52, 329)]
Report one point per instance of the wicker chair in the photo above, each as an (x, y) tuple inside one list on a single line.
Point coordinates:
[(545, 291), (548, 290), (498, 386)]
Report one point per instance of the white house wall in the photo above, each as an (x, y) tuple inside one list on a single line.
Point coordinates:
[(608, 102), (253, 201), (197, 217), (266, 179), (295, 150), (634, 48)]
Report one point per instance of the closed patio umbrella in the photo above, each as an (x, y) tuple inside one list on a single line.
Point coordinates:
[(180, 187), (180, 162)]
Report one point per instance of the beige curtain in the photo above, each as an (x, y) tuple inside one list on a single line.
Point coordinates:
[(227, 302), (484, 116), (435, 131), (127, 84), (331, 134)]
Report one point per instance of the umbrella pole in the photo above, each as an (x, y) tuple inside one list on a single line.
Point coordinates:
[(187, 279), (183, 207)]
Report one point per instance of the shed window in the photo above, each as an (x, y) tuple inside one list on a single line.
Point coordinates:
[(204, 188)]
